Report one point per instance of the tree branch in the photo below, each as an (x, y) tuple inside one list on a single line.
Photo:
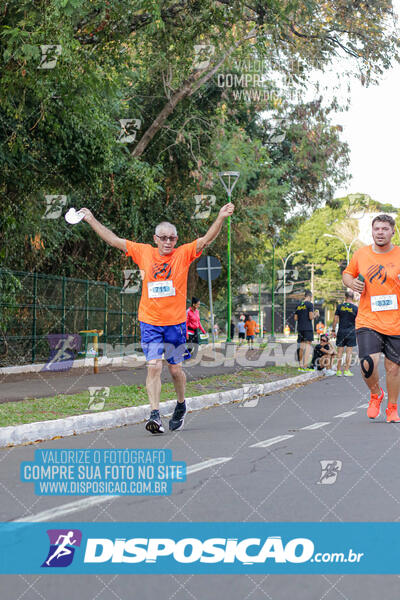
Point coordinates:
[(137, 22), (334, 40), (189, 87)]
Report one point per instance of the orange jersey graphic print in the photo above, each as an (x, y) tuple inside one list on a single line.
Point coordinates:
[(164, 286), (380, 300)]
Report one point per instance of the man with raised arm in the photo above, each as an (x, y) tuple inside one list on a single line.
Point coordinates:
[(162, 308)]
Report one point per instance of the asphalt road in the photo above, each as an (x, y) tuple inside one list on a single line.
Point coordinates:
[(267, 478)]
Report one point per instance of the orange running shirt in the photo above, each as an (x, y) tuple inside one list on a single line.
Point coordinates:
[(164, 282), (380, 300), (250, 327)]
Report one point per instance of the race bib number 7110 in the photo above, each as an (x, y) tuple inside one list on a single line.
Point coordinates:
[(161, 289)]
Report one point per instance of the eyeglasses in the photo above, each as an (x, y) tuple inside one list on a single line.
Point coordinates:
[(169, 238)]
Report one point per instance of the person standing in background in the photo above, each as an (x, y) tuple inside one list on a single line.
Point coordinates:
[(193, 324), (250, 326), (241, 331), (304, 316), (345, 315)]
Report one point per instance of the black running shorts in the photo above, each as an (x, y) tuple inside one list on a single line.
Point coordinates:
[(346, 338), (371, 342), (305, 336)]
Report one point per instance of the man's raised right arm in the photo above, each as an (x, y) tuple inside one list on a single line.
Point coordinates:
[(106, 234)]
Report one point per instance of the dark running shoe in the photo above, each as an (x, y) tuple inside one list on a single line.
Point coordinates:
[(154, 424), (177, 420)]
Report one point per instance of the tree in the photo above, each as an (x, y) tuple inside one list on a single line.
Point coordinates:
[(329, 253), (124, 60)]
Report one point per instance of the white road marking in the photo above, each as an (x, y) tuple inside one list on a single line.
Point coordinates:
[(345, 414), (207, 463), (316, 425), (85, 503), (363, 405), (271, 441)]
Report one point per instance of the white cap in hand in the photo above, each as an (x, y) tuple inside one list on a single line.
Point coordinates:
[(74, 216)]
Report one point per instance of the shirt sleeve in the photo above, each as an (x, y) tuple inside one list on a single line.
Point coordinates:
[(188, 252), (352, 267), (337, 312), (134, 250)]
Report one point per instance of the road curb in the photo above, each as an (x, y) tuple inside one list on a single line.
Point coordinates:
[(47, 430)]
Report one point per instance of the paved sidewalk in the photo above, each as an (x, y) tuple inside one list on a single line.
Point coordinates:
[(14, 387)]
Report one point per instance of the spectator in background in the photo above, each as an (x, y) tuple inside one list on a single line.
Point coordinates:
[(304, 316), (232, 330), (345, 315), (323, 356), (193, 324), (250, 326), (241, 331)]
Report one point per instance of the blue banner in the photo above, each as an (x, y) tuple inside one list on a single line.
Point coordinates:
[(286, 548)]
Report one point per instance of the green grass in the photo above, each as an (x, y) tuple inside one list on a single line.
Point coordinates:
[(122, 396)]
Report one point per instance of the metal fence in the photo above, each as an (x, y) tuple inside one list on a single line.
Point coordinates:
[(33, 305)]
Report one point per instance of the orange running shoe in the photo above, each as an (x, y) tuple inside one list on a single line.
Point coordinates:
[(392, 415), (374, 407)]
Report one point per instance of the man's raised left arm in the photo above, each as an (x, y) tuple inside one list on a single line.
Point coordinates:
[(213, 232)]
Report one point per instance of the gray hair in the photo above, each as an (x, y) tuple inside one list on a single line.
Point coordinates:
[(165, 224)]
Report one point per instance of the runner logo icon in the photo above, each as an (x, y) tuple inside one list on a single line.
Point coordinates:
[(62, 547), (161, 272), (378, 271)]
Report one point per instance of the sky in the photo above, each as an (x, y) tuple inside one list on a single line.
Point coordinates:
[(372, 129)]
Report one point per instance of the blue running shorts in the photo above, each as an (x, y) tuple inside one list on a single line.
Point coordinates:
[(169, 340)]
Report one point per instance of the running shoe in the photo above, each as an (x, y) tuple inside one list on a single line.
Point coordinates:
[(301, 370), (308, 370), (339, 373), (392, 415), (348, 373), (178, 418), (374, 406), (154, 424), (329, 372)]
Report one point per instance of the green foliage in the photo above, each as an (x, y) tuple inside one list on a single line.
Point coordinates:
[(125, 59), (325, 237), (9, 287)]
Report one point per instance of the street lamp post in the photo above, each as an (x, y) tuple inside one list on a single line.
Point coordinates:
[(272, 337), (348, 248), (232, 177), (284, 284), (260, 269)]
